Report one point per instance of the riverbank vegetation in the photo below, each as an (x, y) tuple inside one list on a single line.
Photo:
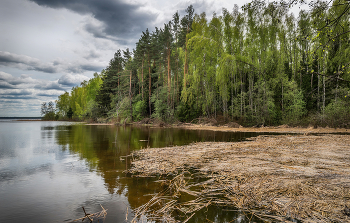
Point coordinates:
[(255, 65), (281, 178)]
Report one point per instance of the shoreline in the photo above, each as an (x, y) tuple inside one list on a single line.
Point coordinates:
[(272, 129), (303, 177), (99, 124), (224, 128)]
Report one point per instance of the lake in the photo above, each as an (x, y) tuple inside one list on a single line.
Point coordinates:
[(50, 170)]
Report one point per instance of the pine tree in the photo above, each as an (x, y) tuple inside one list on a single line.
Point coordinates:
[(111, 84)]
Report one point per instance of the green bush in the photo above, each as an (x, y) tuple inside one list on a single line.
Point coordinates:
[(121, 111), (139, 110), (337, 113), (50, 116), (186, 112), (70, 113), (294, 104)]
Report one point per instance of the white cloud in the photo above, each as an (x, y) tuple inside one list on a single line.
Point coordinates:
[(50, 93), (24, 62), (7, 81), (72, 80), (16, 92), (20, 96)]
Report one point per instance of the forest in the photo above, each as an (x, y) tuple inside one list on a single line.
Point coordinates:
[(256, 65)]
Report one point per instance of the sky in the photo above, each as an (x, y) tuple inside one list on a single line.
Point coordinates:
[(49, 46)]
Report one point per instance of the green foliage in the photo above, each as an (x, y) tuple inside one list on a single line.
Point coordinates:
[(265, 110), (110, 83), (121, 110), (294, 104), (70, 113), (43, 109), (259, 65), (161, 109), (139, 110), (48, 111), (337, 112), (186, 112), (63, 104), (92, 109), (81, 100)]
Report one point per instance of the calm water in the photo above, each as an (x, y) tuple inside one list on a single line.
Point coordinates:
[(50, 170)]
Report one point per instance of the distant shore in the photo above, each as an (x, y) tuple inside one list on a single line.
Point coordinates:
[(21, 118), (223, 128), (29, 120)]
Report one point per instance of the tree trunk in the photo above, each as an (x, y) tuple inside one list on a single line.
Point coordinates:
[(149, 88), (130, 95), (282, 95), (232, 84), (185, 64), (318, 86), (142, 79), (169, 78), (241, 94), (336, 89), (324, 84)]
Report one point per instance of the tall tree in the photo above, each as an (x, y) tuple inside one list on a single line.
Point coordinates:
[(111, 83), (186, 28)]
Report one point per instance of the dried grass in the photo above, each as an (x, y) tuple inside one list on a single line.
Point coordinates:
[(280, 177)]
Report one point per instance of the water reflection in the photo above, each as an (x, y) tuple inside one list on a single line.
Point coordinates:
[(49, 170), (104, 149)]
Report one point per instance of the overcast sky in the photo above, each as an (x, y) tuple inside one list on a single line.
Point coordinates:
[(49, 46)]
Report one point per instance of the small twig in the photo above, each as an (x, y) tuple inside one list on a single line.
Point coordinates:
[(127, 213), (91, 216), (189, 218), (86, 215)]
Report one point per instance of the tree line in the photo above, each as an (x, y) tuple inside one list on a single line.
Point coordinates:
[(256, 65)]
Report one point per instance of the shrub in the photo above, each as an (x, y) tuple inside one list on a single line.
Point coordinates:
[(139, 110), (337, 113)]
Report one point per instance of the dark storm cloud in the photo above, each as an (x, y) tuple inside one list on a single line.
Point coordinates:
[(96, 31), (119, 18), (24, 62)]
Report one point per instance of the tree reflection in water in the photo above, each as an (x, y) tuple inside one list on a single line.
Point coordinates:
[(104, 149)]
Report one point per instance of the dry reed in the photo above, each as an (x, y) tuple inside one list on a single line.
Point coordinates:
[(285, 177)]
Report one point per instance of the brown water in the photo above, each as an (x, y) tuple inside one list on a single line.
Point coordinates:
[(50, 170)]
